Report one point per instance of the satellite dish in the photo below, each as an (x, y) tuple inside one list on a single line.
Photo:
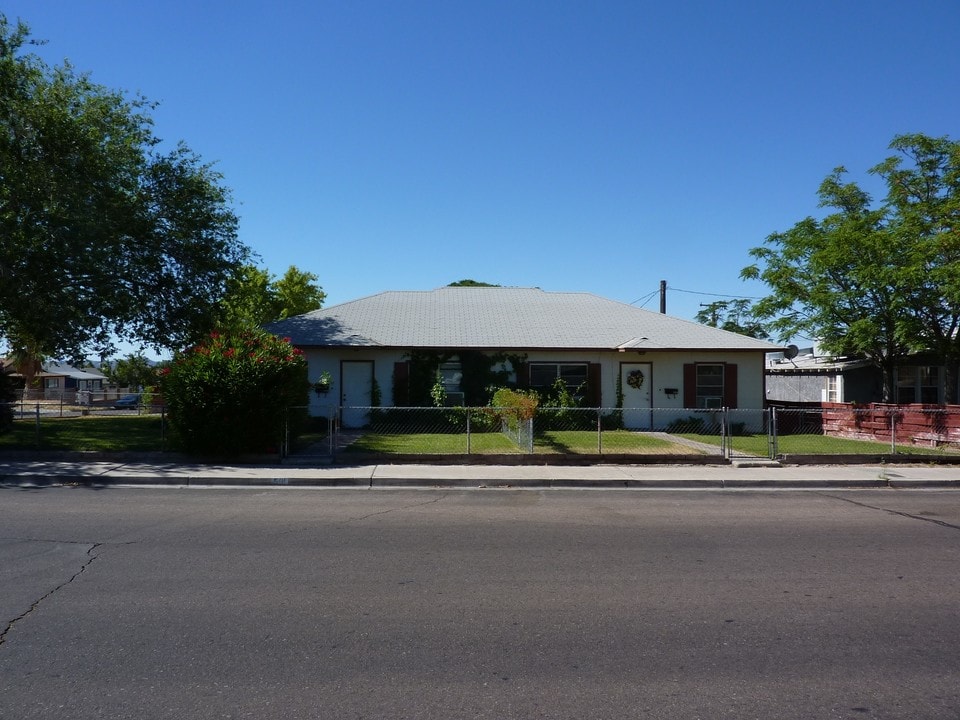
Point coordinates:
[(791, 352)]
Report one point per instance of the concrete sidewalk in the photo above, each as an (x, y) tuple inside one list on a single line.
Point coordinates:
[(744, 475)]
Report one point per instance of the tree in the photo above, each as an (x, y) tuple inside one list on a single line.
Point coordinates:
[(134, 371), (105, 236), (471, 283), (297, 293), (27, 361), (254, 297), (733, 316), (232, 392), (923, 199), (249, 301), (7, 397), (878, 282)]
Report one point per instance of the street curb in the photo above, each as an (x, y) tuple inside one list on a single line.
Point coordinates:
[(44, 481)]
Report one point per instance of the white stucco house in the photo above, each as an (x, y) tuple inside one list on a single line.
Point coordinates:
[(375, 350)]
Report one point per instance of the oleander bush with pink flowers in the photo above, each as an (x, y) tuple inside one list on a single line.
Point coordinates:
[(232, 393)]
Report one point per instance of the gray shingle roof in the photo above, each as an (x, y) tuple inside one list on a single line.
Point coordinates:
[(512, 318)]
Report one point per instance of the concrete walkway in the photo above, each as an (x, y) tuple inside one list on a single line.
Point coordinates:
[(736, 475)]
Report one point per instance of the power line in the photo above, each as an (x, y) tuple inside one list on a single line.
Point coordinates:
[(696, 292), (646, 298)]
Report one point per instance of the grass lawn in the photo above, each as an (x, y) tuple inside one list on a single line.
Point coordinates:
[(114, 433), (432, 443), (812, 445), (613, 441), (553, 441)]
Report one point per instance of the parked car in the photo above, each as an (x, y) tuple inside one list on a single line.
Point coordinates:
[(127, 402)]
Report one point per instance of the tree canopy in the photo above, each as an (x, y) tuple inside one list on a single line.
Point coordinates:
[(881, 282), (733, 316), (133, 371), (254, 297), (471, 283), (105, 235)]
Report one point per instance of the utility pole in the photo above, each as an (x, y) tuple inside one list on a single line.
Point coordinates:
[(713, 311), (663, 297)]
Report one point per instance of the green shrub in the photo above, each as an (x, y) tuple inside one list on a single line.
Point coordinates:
[(514, 406), (692, 425), (7, 397), (612, 420), (230, 394)]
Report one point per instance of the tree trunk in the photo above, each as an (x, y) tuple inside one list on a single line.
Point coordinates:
[(887, 375), (950, 381)]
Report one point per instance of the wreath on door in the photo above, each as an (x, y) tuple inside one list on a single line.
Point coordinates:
[(635, 379)]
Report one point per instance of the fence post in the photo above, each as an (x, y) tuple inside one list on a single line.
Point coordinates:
[(893, 431), (599, 431), (468, 431), (724, 439), (335, 413), (334, 429), (38, 424), (772, 432)]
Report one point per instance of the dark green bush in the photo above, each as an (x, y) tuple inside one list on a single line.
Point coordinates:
[(692, 425), (7, 397), (230, 394)]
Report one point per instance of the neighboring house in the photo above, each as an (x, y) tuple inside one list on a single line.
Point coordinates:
[(813, 378), (600, 348), (55, 378)]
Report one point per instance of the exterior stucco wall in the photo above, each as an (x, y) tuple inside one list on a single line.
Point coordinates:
[(666, 372)]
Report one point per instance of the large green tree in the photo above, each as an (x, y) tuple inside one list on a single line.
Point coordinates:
[(133, 371), (923, 201), (254, 297), (105, 236), (734, 316), (297, 292), (877, 281)]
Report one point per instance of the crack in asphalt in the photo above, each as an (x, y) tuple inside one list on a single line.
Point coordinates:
[(396, 509), (941, 523), (36, 603)]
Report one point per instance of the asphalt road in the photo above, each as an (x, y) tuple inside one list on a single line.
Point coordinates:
[(196, 604)]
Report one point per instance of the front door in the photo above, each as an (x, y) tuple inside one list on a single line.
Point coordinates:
[(356, 383), (635, 379)]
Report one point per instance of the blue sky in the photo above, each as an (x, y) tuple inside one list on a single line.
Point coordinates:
[(572, 146)]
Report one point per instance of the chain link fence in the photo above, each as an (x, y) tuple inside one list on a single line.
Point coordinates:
[(769, 433), (503, 431), (877, 430), (124, 424), (131, 423)]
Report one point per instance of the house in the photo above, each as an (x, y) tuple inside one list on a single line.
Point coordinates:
[(56, 378), (811, 377), (387, 350)]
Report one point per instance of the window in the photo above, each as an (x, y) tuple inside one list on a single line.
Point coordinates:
[(918, 384), (929, 384), (544, 375), (833, 389), (51, 382), (451, 374), (709, 386)]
